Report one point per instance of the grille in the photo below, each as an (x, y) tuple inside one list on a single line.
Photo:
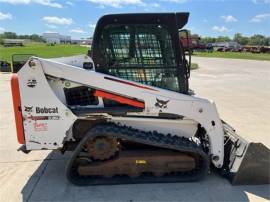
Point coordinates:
[(81, 96)]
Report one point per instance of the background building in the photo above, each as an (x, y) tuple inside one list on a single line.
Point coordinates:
[(13, 42), (56, 38)]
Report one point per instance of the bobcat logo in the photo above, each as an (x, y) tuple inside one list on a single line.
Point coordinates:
[(162, 104), (31, 83), (28, 109)]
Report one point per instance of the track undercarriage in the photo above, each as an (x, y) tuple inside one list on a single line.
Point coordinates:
[(113, 154)]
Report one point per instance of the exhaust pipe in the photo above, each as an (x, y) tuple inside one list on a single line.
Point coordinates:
[(245, 163)]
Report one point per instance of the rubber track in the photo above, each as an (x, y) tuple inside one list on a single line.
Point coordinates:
[(177, 143)]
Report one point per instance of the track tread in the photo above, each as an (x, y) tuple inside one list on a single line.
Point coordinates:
[(150, 138)]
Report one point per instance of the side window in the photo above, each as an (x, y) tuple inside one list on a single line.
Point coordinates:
[(141, 53)]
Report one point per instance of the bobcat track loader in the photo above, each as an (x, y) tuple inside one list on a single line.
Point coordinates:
[(126, 113)]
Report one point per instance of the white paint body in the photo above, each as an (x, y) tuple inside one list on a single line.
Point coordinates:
[(49, 93)]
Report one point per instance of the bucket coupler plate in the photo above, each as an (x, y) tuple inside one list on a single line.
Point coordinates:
[(245, 163)]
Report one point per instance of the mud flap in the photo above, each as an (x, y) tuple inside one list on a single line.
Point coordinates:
[(245, 163)]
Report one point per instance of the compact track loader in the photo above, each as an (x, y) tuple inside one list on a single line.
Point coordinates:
[(126, 112)]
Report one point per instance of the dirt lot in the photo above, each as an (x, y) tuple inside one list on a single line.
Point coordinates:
[(241, 91)]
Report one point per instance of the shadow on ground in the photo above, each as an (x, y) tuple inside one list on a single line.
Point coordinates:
[(49, 183)]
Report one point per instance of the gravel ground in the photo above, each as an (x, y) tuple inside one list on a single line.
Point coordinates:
[(240, 89)]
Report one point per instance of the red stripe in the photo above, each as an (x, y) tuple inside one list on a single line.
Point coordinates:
[(120, 99), (131, 84), (17, 108)]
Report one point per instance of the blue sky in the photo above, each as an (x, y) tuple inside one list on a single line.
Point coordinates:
[(78, 17)]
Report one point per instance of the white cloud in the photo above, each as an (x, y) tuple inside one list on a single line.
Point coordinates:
[(261, 1), (57, 20), (69, 3), (2, 30), (92, 25), (5, 16), (16, 1), (49, 31), (50, 3), (260, 17), (51, 26), (150, 7), (78, 30), (176, 1), (153, 5), (116, 3), (220, 29), (229, 18)]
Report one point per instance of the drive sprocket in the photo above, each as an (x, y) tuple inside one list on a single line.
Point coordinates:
[(102, 148)]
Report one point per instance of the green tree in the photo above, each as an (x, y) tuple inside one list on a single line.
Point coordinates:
[(208, 40), (195, 36), (35, 37), (239, 38), (258, 40), (223, 39), (9, 35), (267, 41), (12, 35)]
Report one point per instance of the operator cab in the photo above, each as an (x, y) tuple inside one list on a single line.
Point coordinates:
[(143, 48)]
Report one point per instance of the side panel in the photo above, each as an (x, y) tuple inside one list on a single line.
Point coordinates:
[(46, 119), (17, 108)]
